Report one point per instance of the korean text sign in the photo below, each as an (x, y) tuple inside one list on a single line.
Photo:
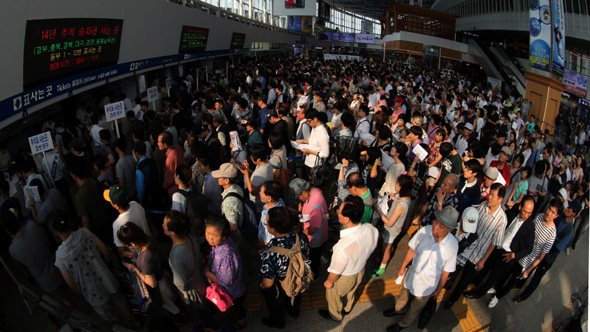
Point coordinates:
[(41, 143)]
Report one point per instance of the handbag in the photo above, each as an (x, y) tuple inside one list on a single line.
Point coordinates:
[(319, 173), (427, 313), (219, 297), (283, 178)]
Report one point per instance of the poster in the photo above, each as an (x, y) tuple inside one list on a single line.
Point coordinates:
[(114, 111), (575, 83), (294, 8), (365, 38), (41, 143), (495, 83), (152, 93), (540, 34), (558, 26)]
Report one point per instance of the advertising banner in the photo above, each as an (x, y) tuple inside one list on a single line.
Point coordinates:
[(365, 38), (558, 37), (294, 8), (575, 83), (540, 34), (495, 83), (337, 37)]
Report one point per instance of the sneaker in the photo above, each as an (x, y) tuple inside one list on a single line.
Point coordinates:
[(492, 291), (378, 273), (518, 300), (493, 302)]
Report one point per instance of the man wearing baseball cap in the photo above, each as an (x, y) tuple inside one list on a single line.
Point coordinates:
[(489, 179), (502, 164), (462, 141), (129, 211), (232, 206), (434, 252)]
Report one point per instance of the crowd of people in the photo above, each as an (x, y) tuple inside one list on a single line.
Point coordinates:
[(278, 161)]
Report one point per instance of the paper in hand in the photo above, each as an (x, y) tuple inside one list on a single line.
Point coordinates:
[(298, 146), (32, 191), (368, 138), (420, 152), (386, 161), (235, 140)]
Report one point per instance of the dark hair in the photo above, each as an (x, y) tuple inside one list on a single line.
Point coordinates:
[(243, 103), (276, 140), (384, 133), (556, 204), (520, 157), (280, 218), (140, 148), (105, 134), (347, 120), (355, 180), (406, 183), (59, 220), (500, 188), (131, 233), (353, 208), (540, 167), (445, 149), (121, 143), (273, 189), (77, 167), (311, 114), (442, 132), (527, 198), (416, 130), (219, 222), (167, 138), (179, 223), (474, 166), (252, 123), (258, 151), (10, 222), (99, 162), (184, 173), (528, 171)]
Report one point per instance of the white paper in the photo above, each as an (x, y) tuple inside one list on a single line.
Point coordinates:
[(400, 279), (32, 191), (366, 137), (299, 146), (514, 125), (420, 152), (386, 161), (303, 217), (433, 172), (500, 179), (408, 125), (235, 140)]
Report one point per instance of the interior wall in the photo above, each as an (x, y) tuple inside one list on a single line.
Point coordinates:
[(151, 28)]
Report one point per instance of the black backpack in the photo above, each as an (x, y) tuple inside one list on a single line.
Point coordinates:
[(250, 218), (347, 147), (197, 209)]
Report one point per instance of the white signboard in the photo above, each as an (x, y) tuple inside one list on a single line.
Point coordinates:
[(342, 57), (366, 27), (114, 111), (168, 84), (152, 93), (41, 143), (365, 38)]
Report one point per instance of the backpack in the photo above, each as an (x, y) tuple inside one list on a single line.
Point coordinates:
[(250, 219), (197, 209), (347, 147), (299, 275)]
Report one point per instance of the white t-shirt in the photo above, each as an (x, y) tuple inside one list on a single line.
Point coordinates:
[(134, 214)]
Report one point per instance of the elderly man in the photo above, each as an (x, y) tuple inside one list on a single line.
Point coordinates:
[(434, 252), (491, 225), (350, 254), (443, 197), (356, 187), (232, 206)]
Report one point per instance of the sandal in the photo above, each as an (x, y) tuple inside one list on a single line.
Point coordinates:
[(377, 273)]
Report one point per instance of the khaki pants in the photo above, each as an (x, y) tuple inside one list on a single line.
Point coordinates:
[(341, 296), (415, 307)]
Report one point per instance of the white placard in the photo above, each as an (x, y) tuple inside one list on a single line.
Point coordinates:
[(420, 152), (41, 143), (433, 172), (365, 38), (152, 93), (299, 146), (235, 140), (32, 191), (501, 179), (386, 161), (142, 85), (114, 111), (168, 84)]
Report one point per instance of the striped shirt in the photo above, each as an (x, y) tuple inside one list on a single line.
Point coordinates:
[(544, 237), (490, 230)]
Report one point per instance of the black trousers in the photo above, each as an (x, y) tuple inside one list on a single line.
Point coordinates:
[(467, 277), (579, 228), (539, 272), (508, 280), (315, 256), (494, 269), (277, 302)]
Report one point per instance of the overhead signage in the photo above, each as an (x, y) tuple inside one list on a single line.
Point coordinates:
[(294, 8), (114, 111), (41, 143), (575, 83), (324, 11), (558, 37), (365, 38), (193, 39), (59, 47), (237, 40), (540, 34), (584, 102), (431, 50), (337, 37)]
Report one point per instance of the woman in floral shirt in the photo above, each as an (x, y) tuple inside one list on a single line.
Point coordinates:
[(224, 265)]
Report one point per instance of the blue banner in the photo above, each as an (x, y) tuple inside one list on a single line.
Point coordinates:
[(558, 37), (540, 34), (42, 93)]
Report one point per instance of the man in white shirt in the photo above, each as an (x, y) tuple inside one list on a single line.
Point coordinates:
[(349, 257), (434, 252), (318, 141), (363, 123), (463, 140)]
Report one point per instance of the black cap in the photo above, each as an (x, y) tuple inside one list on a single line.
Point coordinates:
[(272, 114)]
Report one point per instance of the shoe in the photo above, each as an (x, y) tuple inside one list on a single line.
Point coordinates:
[(448, 304), (567, 251), (395, 328), (471, 295), (518, 300), (491, 291), (390, 312), (493, 302), (378, 273), (326, 314), (344, 313), (270, 323)]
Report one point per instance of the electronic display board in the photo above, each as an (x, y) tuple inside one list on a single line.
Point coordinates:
[(56, 48), (237, 40), (193, 39)]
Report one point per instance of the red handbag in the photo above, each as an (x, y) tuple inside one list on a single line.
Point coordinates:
[(219, 297)]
